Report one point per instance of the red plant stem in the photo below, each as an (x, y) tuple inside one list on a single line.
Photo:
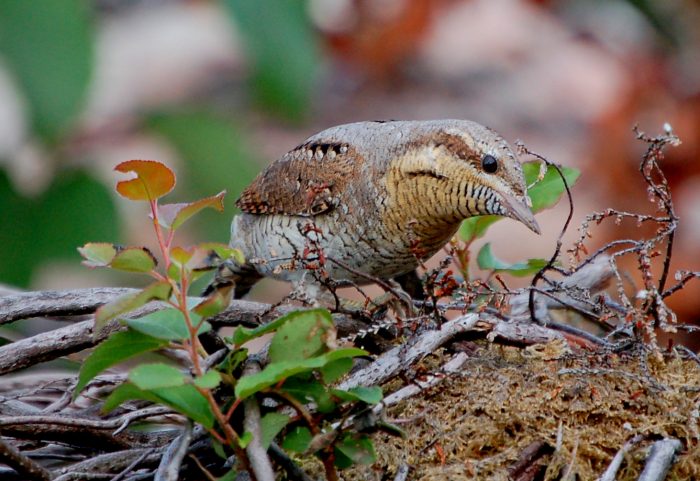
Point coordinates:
[(329, 459), (164, 247), (169, 242), (232, 438), (193, 341), (233, 407), (180, 293), (158, 276), (217, 436)]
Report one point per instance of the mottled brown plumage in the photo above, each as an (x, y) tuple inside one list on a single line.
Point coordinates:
[(314, 174), (371, 195)]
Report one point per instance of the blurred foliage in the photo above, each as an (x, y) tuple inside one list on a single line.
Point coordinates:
[(48, 48), (32, 231), (283, 50), (662, 22), (215, 158)]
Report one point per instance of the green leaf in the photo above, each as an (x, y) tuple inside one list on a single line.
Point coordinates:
[(174, 215), (127, 392), (548, 191), (75, 209), (218, 449), (48, 46), (476, 227), (232, 475), (129, 302), (304, 334), (154, 376), (233, 360), (285, 54), (97, 254), (354, 449), (116, 348), (245, 440), (184, 399), (487, 261), (209, 380), (190, 402), (215, 155), (297, 440), (223, 251), (153, 180), (307, 389), (277, 371), (271, 424), (369, 395), (130, 259), (134, 259), (215, 303), (168, 324), (242, 334), (333, 371)]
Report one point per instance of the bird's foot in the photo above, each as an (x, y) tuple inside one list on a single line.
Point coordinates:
[(396, 300)]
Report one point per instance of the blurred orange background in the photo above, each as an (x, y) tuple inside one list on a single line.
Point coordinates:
[(218, 89)]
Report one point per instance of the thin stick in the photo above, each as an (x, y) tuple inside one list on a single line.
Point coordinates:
[(611, 473)]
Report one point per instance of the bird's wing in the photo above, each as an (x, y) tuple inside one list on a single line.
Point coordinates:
[(306, 181)]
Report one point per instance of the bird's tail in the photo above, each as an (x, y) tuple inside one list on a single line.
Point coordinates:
[(230, 273)]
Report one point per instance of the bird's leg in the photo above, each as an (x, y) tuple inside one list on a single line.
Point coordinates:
[(411, 284), (309, 292), (319, 293), (398, 300)]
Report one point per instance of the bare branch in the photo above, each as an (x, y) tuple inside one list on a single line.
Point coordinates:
[(169, 467), (394, 361), (257, 455), (50, 345), (660, 460), (132, 466), (113, 462), (610, 474), (402, 472), (57, 303), (450, 367), (62, 420), (22, 464), (294, 472)]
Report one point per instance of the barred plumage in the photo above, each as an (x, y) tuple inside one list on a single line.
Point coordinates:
[(371, 195)]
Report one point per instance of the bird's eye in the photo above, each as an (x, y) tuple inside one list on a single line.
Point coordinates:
[(489, 164)]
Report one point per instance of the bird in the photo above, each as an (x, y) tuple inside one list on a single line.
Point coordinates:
[(371, 200)]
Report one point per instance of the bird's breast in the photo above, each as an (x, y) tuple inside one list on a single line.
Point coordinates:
[(346, 243)]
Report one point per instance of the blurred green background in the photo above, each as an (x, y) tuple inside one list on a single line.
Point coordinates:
[(219, 88)]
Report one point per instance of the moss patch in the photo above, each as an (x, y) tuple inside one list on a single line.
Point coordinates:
[(475, 425)]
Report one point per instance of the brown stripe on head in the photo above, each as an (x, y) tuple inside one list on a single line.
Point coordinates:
[(455, 144)]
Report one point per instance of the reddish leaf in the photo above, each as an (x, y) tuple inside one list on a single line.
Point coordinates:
[(174, 215), (181, 255), (216, 302), (97, 254), (153, 180)]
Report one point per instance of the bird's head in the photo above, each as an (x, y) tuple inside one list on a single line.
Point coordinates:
[(465, 169)]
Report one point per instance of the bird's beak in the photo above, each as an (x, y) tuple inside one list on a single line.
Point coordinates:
[(519, 209)]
